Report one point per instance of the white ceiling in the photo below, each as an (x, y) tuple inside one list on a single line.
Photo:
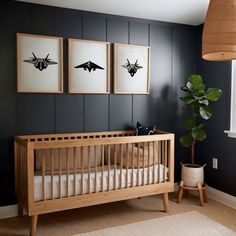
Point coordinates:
[(190, 12)]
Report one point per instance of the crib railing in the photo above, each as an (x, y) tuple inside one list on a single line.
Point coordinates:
[(51, 168)]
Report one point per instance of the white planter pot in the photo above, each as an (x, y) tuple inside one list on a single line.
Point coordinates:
[(192, 175)]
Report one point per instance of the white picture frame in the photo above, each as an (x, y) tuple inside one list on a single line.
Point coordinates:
[(39, 63), (131, 69), (89, 66)]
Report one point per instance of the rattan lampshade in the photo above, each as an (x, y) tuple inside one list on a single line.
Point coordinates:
[(219, 33)]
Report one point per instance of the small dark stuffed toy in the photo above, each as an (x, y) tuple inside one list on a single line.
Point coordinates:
[(142, 130)]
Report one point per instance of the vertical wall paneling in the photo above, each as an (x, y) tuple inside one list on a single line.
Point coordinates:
[(120, 115), (142, 108), (161, 58), (36, 112), (69, 108), (96, 106), (218, 144), (13, 17), (183, 65)]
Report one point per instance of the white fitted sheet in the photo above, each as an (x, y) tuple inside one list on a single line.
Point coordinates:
[(48, 194)]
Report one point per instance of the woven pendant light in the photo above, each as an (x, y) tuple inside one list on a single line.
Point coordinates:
[(219, 33)]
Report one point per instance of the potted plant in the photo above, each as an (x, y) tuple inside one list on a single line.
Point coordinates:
[(198, 98)]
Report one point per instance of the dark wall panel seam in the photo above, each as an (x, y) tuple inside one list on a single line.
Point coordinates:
[(109, 104), (171, 73), (55, 96), (82, 36), (132, 96)]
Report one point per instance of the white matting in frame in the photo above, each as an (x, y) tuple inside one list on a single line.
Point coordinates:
[(131, 69), (89, 66), (39, 64)]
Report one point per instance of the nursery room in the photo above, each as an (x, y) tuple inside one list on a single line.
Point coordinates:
[(118, 118)]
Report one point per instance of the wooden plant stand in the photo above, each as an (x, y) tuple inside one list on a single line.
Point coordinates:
[(200, 188)]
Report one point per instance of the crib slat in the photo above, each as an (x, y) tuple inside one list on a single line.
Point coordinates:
[(165, 161), (138, 164), (102, 168), (115, 154), (95, 164), (121, 164), (43, 174), (89, 157), (149, 162), (159, 160), (82, 168), (59, 167), (127, 164), (75, 168), (109, 164), (67, 171), (143, 161), (132, 165), (154, 162), (52, 170)]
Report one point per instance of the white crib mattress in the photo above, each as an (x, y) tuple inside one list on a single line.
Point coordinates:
[(119, 184)]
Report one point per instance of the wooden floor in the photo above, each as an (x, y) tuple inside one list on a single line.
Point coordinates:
[(113, 214)]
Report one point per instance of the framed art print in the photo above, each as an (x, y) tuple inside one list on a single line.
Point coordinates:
[(131, 69), (39, 64), (89, 66)]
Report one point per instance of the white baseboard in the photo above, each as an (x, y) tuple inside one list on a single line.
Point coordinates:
[(8, 211), (217, 195)]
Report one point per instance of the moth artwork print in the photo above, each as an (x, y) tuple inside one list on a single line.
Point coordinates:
[(39, 64), (89, 66), (131, 69)]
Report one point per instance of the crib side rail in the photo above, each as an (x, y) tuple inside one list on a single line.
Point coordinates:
[(117, 156)]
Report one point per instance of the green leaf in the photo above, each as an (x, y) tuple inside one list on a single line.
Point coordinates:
[(199, 134), (195, 79), (189, 85), (213, 94), (200, 88), (200, 126), (190, 123), (204, 101), (185, 89), (206, 112), (188, 99), (186, 140)]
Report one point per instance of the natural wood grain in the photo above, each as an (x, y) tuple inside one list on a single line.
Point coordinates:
[(33, 225), (112, 144)]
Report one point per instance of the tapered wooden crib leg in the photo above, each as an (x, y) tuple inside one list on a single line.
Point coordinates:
[(33, 225), (166, 202)]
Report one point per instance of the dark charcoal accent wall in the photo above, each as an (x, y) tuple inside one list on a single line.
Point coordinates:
[(218, 144), (173, 58)]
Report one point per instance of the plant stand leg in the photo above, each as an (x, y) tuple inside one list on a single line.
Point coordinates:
[(200, 193), (205, 194), (33, 224), (166, 202), (180, 193)]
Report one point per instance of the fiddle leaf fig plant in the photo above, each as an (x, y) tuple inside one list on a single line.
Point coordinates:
[(198, 98)]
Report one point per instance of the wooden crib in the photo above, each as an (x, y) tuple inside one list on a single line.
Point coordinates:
[(63, 171)]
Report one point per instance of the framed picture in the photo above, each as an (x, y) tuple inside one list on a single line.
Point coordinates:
[(131, 69), (39, 64), (89, 66)]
